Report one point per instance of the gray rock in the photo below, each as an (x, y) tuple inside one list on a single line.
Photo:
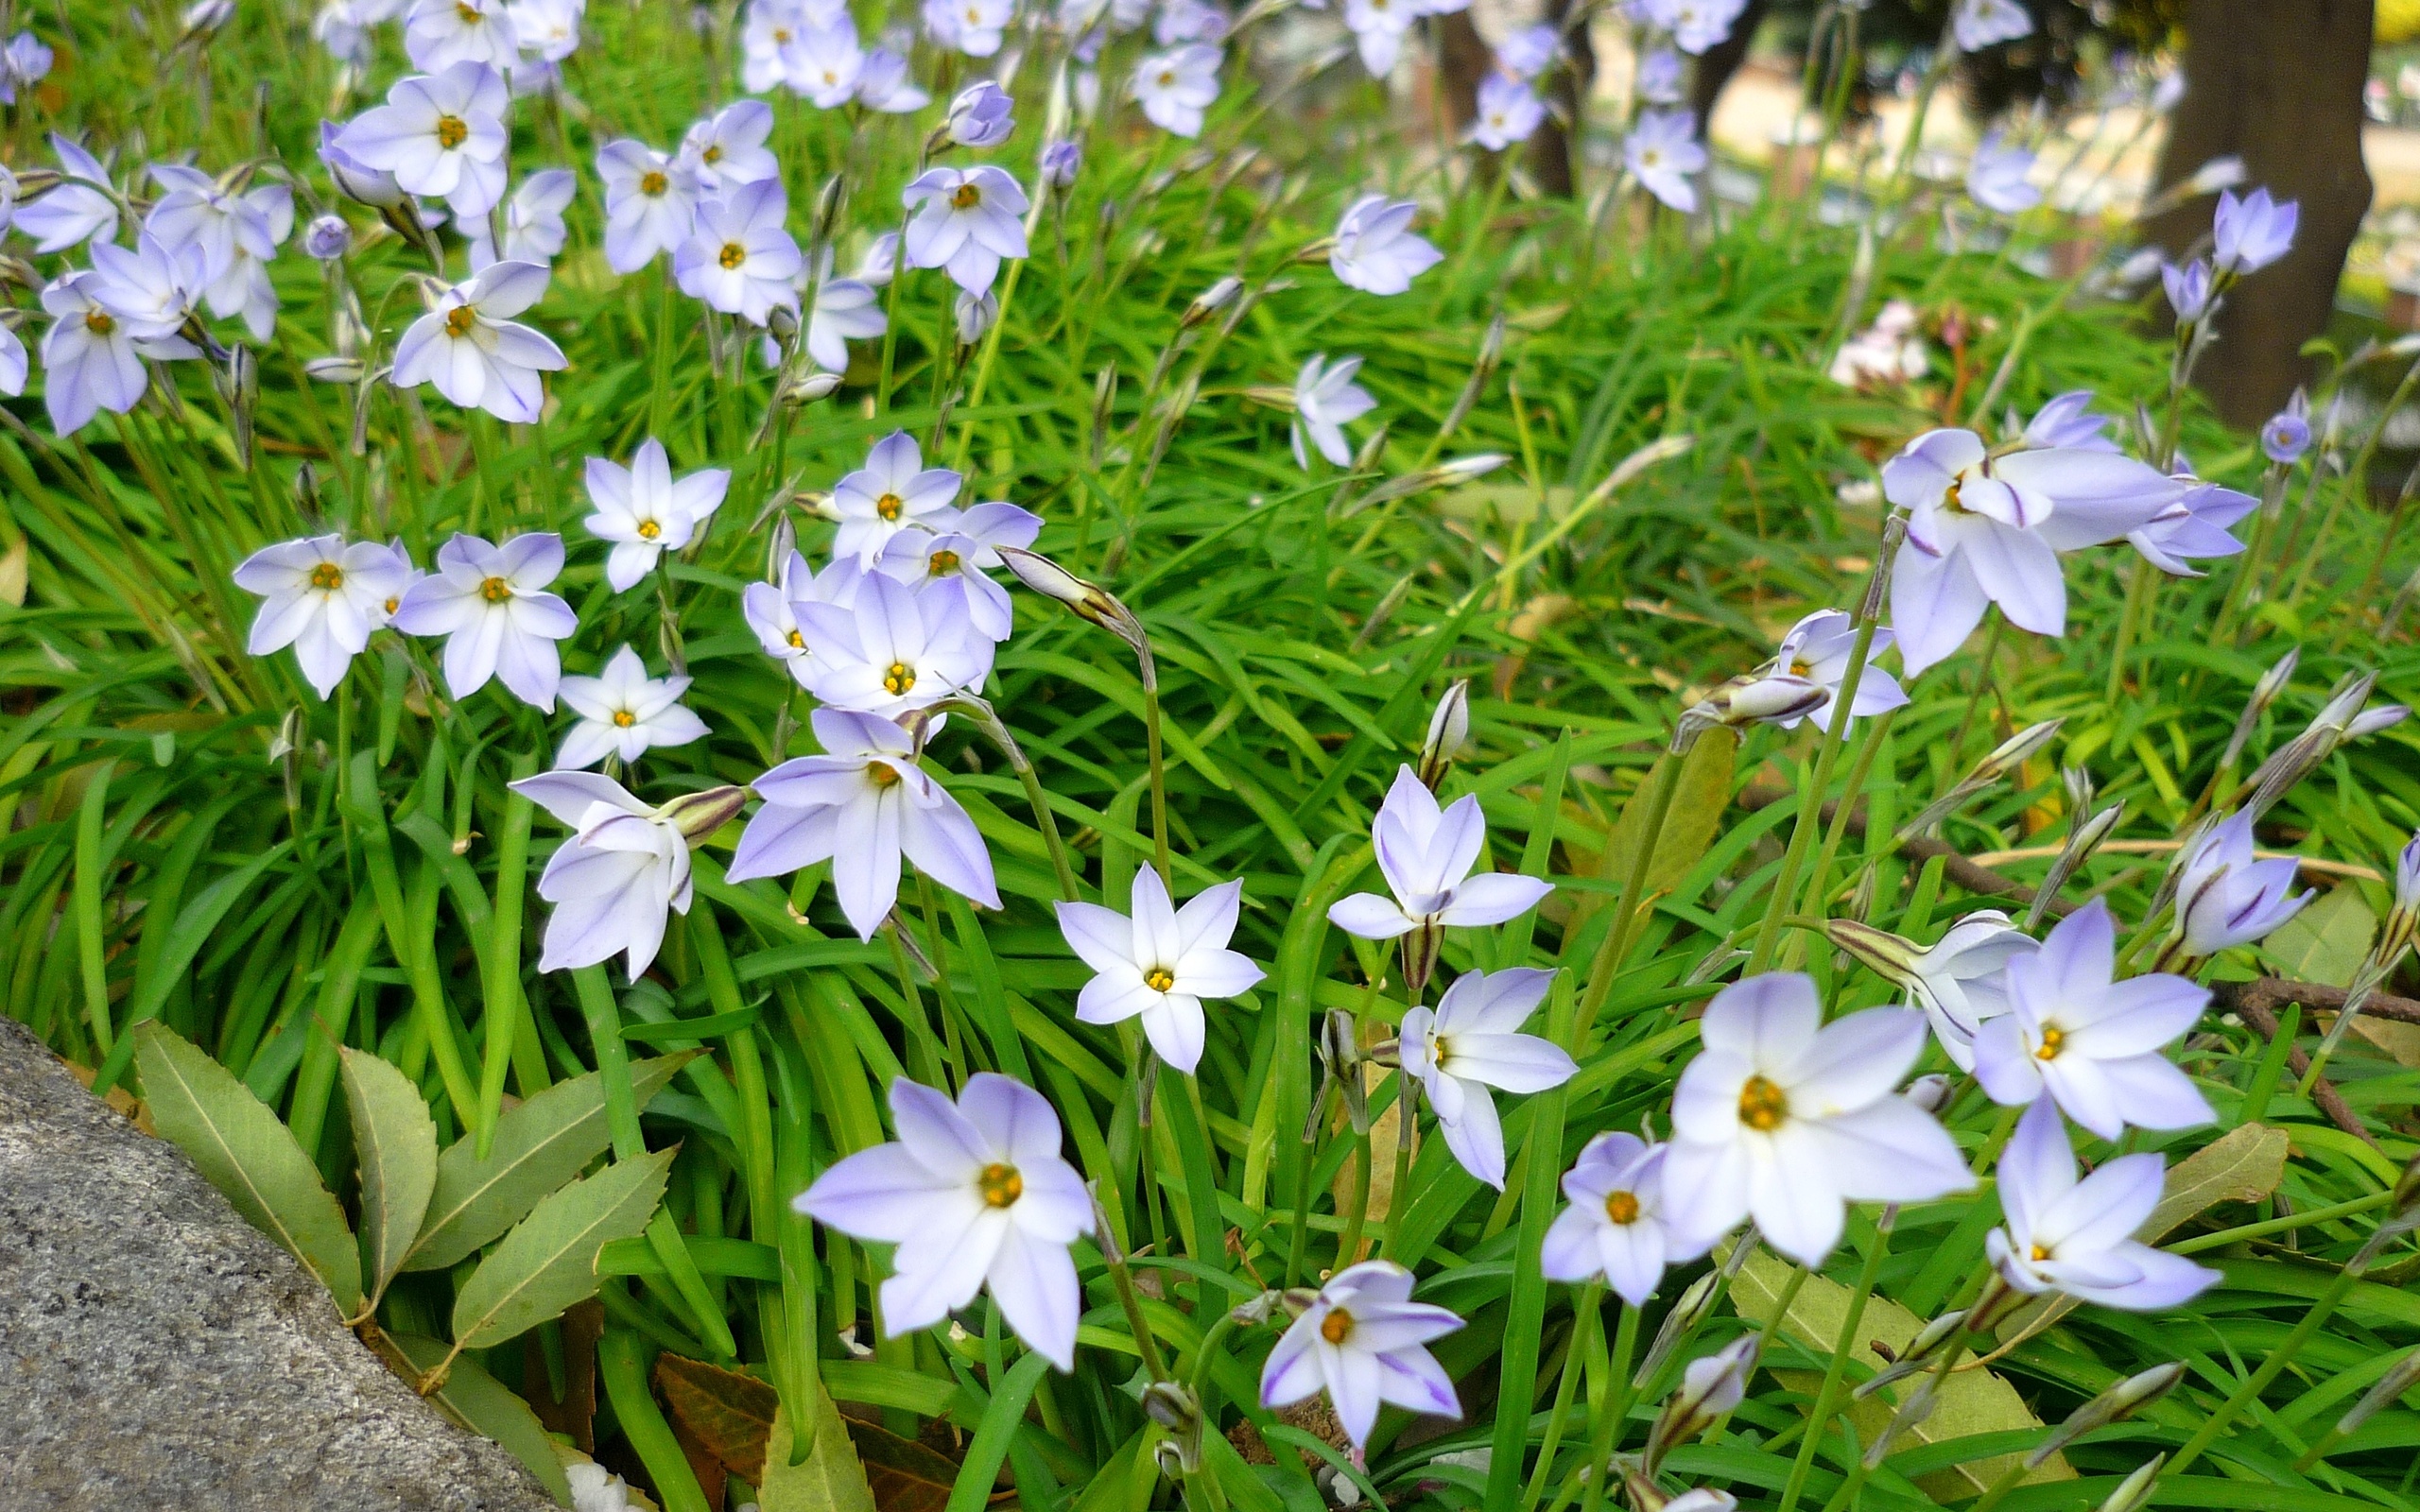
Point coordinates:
[(156, 1351)]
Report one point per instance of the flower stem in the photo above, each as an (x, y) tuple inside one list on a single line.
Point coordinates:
[(1811, 804), (1606, 1436), (2270, 1369), (1587, 1323), (1406, 1125), (1617, 943), (1832, 1371)]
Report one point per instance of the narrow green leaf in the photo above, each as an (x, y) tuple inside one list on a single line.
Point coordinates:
[(991, 1444), (539, 1146), (549, 1260), (486, 1406), (247, 1154), (397, 1143)]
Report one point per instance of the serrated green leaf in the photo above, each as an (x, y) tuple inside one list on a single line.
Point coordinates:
[(488, 1407), (539, 1146), (397, 1144), (548, 1261), (248, 1155)]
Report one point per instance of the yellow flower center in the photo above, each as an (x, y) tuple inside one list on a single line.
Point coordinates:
[(733, 254), (1762, 1105), (782, 34), (881, 774), (327, 578), (1621, 1206), (98, 322), (470, 14), (460, 319), (648, 530), (1337, 1327), (898, 677), (797, 642), (652, 183), (2052, 1037), (713, 152), (393, 604), (941, 564), (1167, 76), (624, 719), (888, 506), (967, 197), (999, 1185), (495, 590), (1159, 979), (2041, 1253), (452, 131)]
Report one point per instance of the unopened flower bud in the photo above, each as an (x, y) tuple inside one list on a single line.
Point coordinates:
[(1922, 1350), (1174, 1406), (1928, 1093), (2264, 692), (327, 238), (977, 314), (1710, 1388), (698, 816), (1491, 352), (806, 388), (1686, 1315), (32, 184), (1061, 162), (984, 115), (2370, 721), (306, 491), (781, 323), (20, 272), (335, 369), (2115, 1404), (1210, 301), (2134, 1489), (2007, 756), (1449, 731), (1256, 1311), (1911, 1414), (2399, 1377), (1090, 600)]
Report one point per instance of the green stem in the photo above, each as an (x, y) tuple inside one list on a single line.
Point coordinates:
[(1606, 1434), (1810, 805), (1587, 1322), (1833, 1369), (1617, 943), (2270, 1369)]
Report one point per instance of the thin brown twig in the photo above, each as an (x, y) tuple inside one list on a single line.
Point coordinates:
[(2251, 1002)]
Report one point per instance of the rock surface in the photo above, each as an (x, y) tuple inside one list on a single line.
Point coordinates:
[(156, 1351)]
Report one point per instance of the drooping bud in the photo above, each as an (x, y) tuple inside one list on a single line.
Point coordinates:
[(1105, 404), (238, 382), (1710, 1388), (2134, 1489), (327, 238), (1750, 699), (2115, 1404), (798, 390), (2082, 839), (1449, 731), (1491, 352), (1686, 1315), (2301, 756), (1921, 1352), (306, 491), (2399, 1377), (336, 369), (1452, 475), (1892, 957), (287, 750), (1210, 301), (1174, 1407), (1090, 600), (2007, 757), (698, 816), (1340, 1050)]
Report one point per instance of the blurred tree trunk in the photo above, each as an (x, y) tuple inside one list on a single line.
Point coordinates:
[(2281, 87), (1722, 59), (1467, 61)]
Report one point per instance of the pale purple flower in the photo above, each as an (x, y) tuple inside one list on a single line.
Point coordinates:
[(533, 221), (625, 868), (1182, 21), (1472, 1042), (355, 179), (727, 148), (1984, 530), (1060, 160), (826, 63), (323, 597), (972, 26), (1817, 648), (1617, 1224), (1528, 51), (984, 115), (894, 491), (1660, 79), (974, 1193), (974, 314), (1698, 25), (650, 203), (2000, 178), (1960, 980), (862, 805), (1376, 250), (1661, 151), (956, 559), (477, 356), (893, 651), (13, 365), (2078, 1237), (327, 238), (1378, 27), (90, 360), (71, 213), (1325, 400), (439, 34), (1978, 23), (1508, 113), (1158, 963), (2287, 436), (2067, 420), (490, 603), (624, 712), (150, 291), (844, 308), (340, 28), (25, 61), (2225, 896), (1363, 1341), (765, 42), (966, 221), (739, 259), (1176, 87), (2188, 289), (2250, 234), (194, 212), (767, 607), (2092, 1042), (1784, 1117), (2195, 525), (547, 30), (883, 84), (645, 511), (439, 134), (1426, 854)]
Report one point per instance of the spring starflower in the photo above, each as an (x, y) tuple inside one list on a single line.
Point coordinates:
[(1980, 23), (727, 148), (974, 1194), (966, 221), (893, 651), (1376, 251), (739, 258), (645, 511), (323, 597), (623, 869), (862, 805), (2287, 436), (1698, 25), (1158, 963), (1176, 86), (894, 491), (2078, 1237), (883, 84), (1426, 854), (2066, 420), (1528, 51), (90, 360), (490, 603), (1472, 1042), (2188, 289), (2000, 177), (1817, 648), (1325, 400), (983, 115), (2194, 525), (958, 556), (2226, 897), (1508, 113), (826, 63), (72, 212), (2250, 234), (1363, 1341), (440, 33), (1615, 1226), (650, 203), (1661, 79), (2090, 1042), (480, 357), (533, 221), (767, 607), (625, 714), (441, 135), (1784, 1117), (1661, 151), (1959, 981), (195, 212)]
